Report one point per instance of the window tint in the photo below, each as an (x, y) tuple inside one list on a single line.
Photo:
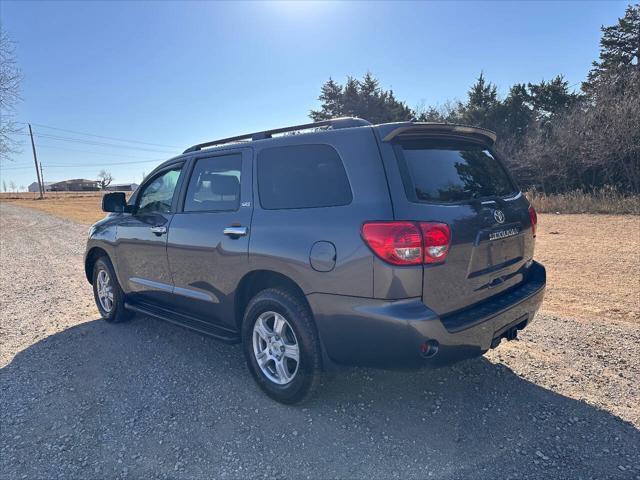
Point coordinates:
[(158, 195), (214, 184), (451, 172), (302, 176)]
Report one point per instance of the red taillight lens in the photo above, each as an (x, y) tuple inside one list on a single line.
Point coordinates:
[(533, 216), (408, 243), (399, 243), (437, 238)]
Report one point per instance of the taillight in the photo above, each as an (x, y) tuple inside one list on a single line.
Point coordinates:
[(437, 238), (399, 243), (534, 220), (408, 243)]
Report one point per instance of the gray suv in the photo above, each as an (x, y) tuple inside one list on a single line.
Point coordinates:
[(337, 242)]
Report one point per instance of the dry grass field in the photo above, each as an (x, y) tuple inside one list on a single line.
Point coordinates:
[(593, 261), (80, 207), (605, 200), (593, 265)]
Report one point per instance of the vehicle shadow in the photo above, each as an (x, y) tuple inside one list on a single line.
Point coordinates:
[(148, 399)]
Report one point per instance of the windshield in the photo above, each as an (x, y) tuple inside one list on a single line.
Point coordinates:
[(435, 171)]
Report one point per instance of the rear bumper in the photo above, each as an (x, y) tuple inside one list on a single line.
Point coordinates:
[(360, 331)]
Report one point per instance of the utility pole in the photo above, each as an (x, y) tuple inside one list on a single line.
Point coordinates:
[(42, 179), (35, 161)]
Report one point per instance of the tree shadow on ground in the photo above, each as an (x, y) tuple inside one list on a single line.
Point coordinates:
[(148, 399)]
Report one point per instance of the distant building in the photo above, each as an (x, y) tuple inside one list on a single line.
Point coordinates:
[(35, 188), (82, 185), (122, 187), (76, 185)]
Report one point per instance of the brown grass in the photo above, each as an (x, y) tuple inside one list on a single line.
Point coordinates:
[(48, 195), (606, 200), (592, 264), (81, 207), (592, 261)]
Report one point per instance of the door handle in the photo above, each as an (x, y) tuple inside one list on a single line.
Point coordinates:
[(159, 230), (236, 231)]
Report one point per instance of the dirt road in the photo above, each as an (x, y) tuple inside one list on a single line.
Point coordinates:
[(84, 399)]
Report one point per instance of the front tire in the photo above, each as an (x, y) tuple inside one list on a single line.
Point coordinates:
[(281, 345), (107, 293)]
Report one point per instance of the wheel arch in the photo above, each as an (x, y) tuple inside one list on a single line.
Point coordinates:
[(90, 260), (258, 280)]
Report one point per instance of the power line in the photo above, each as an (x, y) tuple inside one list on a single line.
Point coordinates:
[(84, 141), (78, 165), (106, 165), (2, 169), (91, 142), (75, 150), (98, 162), (108, 154), (101, 136)]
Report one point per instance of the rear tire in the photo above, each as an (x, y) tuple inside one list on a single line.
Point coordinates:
[(281, 345), (107, 293)]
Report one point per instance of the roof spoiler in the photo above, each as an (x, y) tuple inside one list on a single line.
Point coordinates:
[(418, 129)]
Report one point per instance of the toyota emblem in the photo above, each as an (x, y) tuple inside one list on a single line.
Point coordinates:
[(499, 216)]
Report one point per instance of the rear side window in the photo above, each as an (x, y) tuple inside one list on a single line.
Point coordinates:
[(214, 184), (446, 172), (302, 176)]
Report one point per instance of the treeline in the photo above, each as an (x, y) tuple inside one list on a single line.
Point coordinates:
[(554, 138)]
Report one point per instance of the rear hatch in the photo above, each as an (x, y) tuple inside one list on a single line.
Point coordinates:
[(458, 180)]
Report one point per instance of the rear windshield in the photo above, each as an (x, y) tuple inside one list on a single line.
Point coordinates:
[(450, 172)]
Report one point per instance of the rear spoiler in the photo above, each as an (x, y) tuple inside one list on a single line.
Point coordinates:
[(417, 129)]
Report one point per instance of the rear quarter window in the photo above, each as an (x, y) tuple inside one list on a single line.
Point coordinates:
[(302, 176), (449, 172)]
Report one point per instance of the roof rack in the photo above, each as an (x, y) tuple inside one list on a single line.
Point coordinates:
[(335, 123)]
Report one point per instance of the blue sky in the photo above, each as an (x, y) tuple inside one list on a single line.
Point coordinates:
[(179, 73)]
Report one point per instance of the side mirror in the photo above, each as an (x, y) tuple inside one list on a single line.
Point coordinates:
[(114, 202)]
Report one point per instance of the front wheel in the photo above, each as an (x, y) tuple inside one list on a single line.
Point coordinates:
[(281, 345), (108, 295)]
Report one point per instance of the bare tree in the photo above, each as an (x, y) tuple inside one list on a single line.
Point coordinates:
[(10, 78), (12, 186), (592, 145), (4, 185), (104, 179), (442, 113)]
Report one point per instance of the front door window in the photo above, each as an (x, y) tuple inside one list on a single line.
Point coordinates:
[(157, 196)]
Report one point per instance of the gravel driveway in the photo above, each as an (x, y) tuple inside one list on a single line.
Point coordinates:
[(85, 399)]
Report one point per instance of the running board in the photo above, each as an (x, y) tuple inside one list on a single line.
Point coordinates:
[(219, 332)]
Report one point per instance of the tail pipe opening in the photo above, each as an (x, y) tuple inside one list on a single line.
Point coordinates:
[(429, 349)]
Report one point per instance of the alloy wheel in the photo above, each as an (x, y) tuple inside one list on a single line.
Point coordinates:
[(104, 288), (275, 347)]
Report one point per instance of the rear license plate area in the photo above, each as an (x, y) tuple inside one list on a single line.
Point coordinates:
[(497, 246), (502, 232)]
